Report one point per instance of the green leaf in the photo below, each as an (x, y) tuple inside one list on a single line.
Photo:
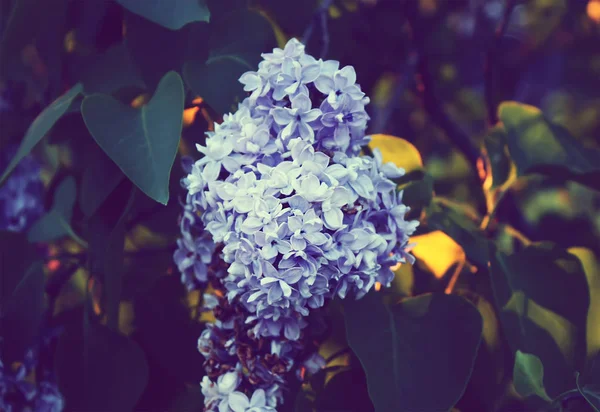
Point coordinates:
[(156, 50), (165, 330), (543, 297), (106, 231), (57, 222), (418, 192), (528, 131), (100, 178), (455, 222), (111, 71), (42, 125), (528, 376), (495, 146), (236, 43), (172, 14), (143, 142), (335, 395), (99, 370), (425, 342), (21, 296)]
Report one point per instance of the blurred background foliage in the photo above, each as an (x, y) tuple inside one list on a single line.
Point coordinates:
[(514, 231)]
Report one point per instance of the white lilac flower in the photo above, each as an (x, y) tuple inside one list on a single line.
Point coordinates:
[(295, 215)]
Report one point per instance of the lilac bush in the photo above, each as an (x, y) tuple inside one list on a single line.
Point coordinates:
[(282, 214)]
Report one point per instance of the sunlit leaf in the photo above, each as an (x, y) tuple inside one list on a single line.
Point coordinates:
[(143, 143), (425, 342), (42, 125), (528, 376), (437, 251), (456, 222), (591, 267), (544, 298), (57, 222), (236, 43), (397, 150), (173, 14), (497, 152), (563, 156)]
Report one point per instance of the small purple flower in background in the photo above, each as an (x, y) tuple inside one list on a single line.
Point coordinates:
[(18, 394), (295, 216), (21, 194)]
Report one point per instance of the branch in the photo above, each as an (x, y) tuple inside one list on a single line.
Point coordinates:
[(489, 60), (320, 16)]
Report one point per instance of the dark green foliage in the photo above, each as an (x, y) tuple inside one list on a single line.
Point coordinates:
[(21, 295), (172, 15), (99, 369), (419, 343), (42, 125), (57, 222), (232, 52), (528, 132)]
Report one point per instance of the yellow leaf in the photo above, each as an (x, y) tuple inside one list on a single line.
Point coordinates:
[(397, 150), (591, 267), (438, 252), (559, 328)]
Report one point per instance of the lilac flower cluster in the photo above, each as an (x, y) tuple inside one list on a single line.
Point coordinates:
[(21, 194), (299, 215), (17, 394)]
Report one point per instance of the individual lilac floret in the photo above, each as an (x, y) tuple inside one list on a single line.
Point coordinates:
[(296, 216)]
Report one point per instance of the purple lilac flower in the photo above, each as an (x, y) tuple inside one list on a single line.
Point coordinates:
[(298, 216)]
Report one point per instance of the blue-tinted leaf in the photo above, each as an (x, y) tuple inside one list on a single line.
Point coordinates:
[(41, 125), (407, 349), (528, 376), (173, 14), (143, 142), (100, 178), (57, 222)]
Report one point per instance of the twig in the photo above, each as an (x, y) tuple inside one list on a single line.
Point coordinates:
[(321, 16), (489, 59)]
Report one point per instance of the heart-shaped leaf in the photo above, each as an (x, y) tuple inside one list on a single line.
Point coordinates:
[(173, 14), (143, 143), (236, 43), (425, 342), (57, 222), (42, 125), (528, 375)]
